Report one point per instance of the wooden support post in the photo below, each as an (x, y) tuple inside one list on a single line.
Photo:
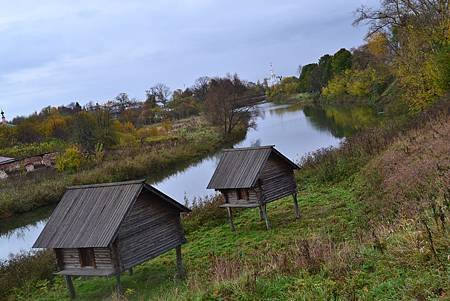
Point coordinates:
[(297, 210), (130, 271), (180, 267), (230, 219), (261, 214), (118, 285), (266, 219), (70, 286)]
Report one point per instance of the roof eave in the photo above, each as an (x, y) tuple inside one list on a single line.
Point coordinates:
[(167, 198)]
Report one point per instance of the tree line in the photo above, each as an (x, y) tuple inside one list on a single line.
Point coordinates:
[(404, 64), (218, 98)]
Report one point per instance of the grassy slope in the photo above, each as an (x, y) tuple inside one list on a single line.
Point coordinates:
[(343, 262), (359, 236)]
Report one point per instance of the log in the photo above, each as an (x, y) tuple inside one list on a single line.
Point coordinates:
[(70, 286), (230, 219), (180, 267), (118, 285), (266, 219), (297, 210)]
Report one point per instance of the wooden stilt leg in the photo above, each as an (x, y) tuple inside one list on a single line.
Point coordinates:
[(118, 285), (180, 267), (266, 219), (261, 214), (230, 219), (297, 210), (70, 286), (130, 271)]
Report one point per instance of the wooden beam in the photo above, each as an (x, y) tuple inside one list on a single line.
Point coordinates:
[(261, 214), (180, 267), (230, 219), (297, 210), (86, 272), (266, 219), (70, 286)]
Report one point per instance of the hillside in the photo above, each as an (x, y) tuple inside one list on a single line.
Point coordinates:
[(361, 235)]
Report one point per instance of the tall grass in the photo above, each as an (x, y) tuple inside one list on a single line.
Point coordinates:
[(25, 269)]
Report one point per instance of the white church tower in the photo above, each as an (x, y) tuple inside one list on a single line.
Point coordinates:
[(273, 78)]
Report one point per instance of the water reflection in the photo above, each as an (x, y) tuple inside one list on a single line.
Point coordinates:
[(341, 121)]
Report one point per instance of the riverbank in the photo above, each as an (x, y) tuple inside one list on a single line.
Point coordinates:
[(153, 161), (372, 228)]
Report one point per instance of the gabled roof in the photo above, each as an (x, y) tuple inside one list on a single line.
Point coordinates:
[(240, 167), (90, 215), (4, 160)]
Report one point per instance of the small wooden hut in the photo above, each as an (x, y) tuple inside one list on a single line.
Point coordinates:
[(252, 177), (105, 229)]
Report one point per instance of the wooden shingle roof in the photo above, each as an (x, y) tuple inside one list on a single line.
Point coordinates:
[(240, 167), (90, 215)]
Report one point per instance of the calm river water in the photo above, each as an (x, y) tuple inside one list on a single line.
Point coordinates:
[(293, 130)]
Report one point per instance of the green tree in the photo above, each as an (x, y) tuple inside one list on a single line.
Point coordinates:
[(342, 60), (307, 77), (83, 131)]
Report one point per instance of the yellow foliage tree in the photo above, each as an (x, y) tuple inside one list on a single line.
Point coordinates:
[(378, 45), (70, 160)]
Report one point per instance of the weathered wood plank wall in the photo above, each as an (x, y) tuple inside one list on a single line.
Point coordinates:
[(276, 179), (148, 230), (233, 196), (70, 258)]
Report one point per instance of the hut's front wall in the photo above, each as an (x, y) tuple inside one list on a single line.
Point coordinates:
[(277, 179), (69, 259), (148, 230), (231, 196)]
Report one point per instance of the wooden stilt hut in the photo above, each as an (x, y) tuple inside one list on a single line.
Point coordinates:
[(252, 177), (105, 229)]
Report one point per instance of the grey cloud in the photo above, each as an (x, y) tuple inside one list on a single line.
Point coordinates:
[(59, 51)]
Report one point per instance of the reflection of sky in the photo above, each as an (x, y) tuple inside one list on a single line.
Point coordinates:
[(21, 239), (289, 130)]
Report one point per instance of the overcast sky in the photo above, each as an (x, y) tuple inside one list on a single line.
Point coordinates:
[(56, 52)]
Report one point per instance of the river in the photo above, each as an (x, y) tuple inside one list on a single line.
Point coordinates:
[(293, 130)]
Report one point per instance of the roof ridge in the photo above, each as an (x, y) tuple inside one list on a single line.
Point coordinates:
[(140, 181), (248, 148)]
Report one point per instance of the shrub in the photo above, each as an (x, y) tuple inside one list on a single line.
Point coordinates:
[(70, 160), (25, 268), (205, 213), (32, 149), (356, 83)]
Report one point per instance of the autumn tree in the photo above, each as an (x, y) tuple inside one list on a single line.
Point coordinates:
[(160, 93), (183, 104), (123, 101), (200, 88), (417, 33), (224, 105)]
